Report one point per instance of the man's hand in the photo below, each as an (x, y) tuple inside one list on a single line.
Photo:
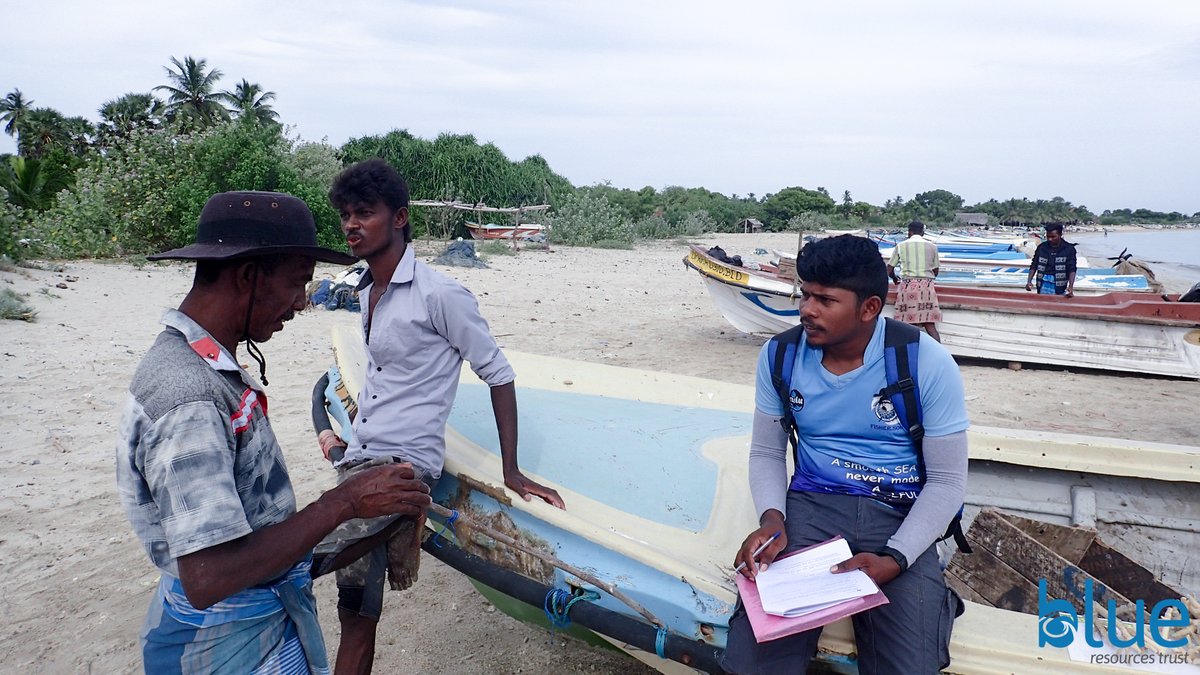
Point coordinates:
[(1069, 294), (1029, 285), (528, 489), (754, 540), (329, 441), (880, 568), (383, 491)]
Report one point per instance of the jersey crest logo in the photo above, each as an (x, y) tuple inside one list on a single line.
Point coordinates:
[(885, 410), (796, 400)]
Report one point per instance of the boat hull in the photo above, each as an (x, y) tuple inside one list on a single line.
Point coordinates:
[(1123, 332), (653, 471), (504, 231)]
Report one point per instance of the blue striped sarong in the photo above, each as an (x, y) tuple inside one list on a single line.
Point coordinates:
[(270, 628)]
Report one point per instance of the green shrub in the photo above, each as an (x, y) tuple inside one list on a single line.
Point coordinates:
[(12, 228), (613, 243), (12, 306), (584, 219), (652, 227), (495, 247), (146, 192)]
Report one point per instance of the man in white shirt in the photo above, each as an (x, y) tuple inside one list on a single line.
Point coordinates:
[(419, 326), (914, 266)]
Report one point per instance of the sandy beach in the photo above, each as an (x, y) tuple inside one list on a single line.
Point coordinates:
[(75, 581)]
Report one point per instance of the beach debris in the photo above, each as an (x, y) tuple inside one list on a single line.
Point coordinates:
[(460, 254), (1193, 294), (333, 295)]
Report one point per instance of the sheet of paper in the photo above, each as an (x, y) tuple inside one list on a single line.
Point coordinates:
[(802, 582)]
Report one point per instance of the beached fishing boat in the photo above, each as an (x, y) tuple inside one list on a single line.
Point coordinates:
[(652, 468), (494, 231), (1089, 281), (1128, 332)]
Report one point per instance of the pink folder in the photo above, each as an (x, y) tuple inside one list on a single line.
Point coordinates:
[(769, 627)]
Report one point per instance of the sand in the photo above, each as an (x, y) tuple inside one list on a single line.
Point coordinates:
[(75, 582)]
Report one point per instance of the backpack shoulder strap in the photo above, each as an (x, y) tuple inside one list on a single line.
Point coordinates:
[(782, 354), (901, 346)]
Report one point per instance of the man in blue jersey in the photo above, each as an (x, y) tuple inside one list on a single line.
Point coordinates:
[(856, 470)]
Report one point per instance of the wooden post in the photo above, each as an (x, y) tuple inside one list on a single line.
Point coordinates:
[(516, 226)]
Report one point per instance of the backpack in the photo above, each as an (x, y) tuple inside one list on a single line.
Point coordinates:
[(900, 348)]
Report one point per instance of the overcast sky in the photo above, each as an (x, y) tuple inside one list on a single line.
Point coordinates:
[(1097, 102)]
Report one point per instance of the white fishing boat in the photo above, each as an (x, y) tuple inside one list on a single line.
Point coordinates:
[(1128, 332), (494, 231), (653, 471), (1090, 281)]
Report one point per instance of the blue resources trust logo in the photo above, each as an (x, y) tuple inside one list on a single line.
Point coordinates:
[(1059, 625)]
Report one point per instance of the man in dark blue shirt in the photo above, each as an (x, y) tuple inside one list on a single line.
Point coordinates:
[(1053, 264)]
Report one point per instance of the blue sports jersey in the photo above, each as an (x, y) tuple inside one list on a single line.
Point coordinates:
[(851, 441)]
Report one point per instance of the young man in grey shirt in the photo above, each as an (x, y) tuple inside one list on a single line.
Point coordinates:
[(418, 326)]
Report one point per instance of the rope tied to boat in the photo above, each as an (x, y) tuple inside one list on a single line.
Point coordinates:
[(449, 525), (558, 604), (660, 643)]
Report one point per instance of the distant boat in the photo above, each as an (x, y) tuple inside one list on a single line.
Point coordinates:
[(1130, 332), (961, 254), (494, 231), (652, 467), (1088, 281)]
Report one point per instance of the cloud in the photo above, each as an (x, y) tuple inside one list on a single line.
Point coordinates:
[(1089, 100)]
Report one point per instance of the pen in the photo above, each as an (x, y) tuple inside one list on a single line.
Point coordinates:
[(757, 551)]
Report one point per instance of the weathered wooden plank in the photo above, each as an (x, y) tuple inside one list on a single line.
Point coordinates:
[(964, 591), (1124, 575), (994, 579), (1034, 562), (1068, 542)]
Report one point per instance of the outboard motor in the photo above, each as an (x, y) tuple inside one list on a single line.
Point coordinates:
[(1193, 294)]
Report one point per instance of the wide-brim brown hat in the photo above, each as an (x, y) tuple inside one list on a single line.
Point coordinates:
[(245, 224)]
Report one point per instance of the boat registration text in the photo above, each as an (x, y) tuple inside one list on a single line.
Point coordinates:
[(709, 267)]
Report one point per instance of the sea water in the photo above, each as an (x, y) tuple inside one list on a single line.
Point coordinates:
[(1173, 255)]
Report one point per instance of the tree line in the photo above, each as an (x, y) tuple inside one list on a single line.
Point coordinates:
[(134, 182)]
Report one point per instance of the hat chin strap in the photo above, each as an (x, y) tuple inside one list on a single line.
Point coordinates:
[(251, 348)]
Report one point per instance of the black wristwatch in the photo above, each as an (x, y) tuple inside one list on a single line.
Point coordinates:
[(894, 555)]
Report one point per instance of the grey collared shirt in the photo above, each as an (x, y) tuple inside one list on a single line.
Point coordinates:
[(423, 328), (197, 461)]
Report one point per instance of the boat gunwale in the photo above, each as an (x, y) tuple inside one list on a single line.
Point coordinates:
[(1101, 307)]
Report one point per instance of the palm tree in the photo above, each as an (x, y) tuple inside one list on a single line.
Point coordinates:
[(30, 183), (190, 96), (13, 108), (40, 130), (122, 116), (79, 135), (249, 100)]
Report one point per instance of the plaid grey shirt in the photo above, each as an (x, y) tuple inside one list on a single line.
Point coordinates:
[(197, 461)]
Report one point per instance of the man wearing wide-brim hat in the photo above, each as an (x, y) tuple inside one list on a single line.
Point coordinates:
[(200, 473)]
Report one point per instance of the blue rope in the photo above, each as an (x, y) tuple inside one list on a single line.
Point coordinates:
[(660, 642), (448, 526), (558, 602)]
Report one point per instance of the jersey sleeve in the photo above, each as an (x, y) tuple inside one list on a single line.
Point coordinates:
[(766, 399), (943, 404)]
